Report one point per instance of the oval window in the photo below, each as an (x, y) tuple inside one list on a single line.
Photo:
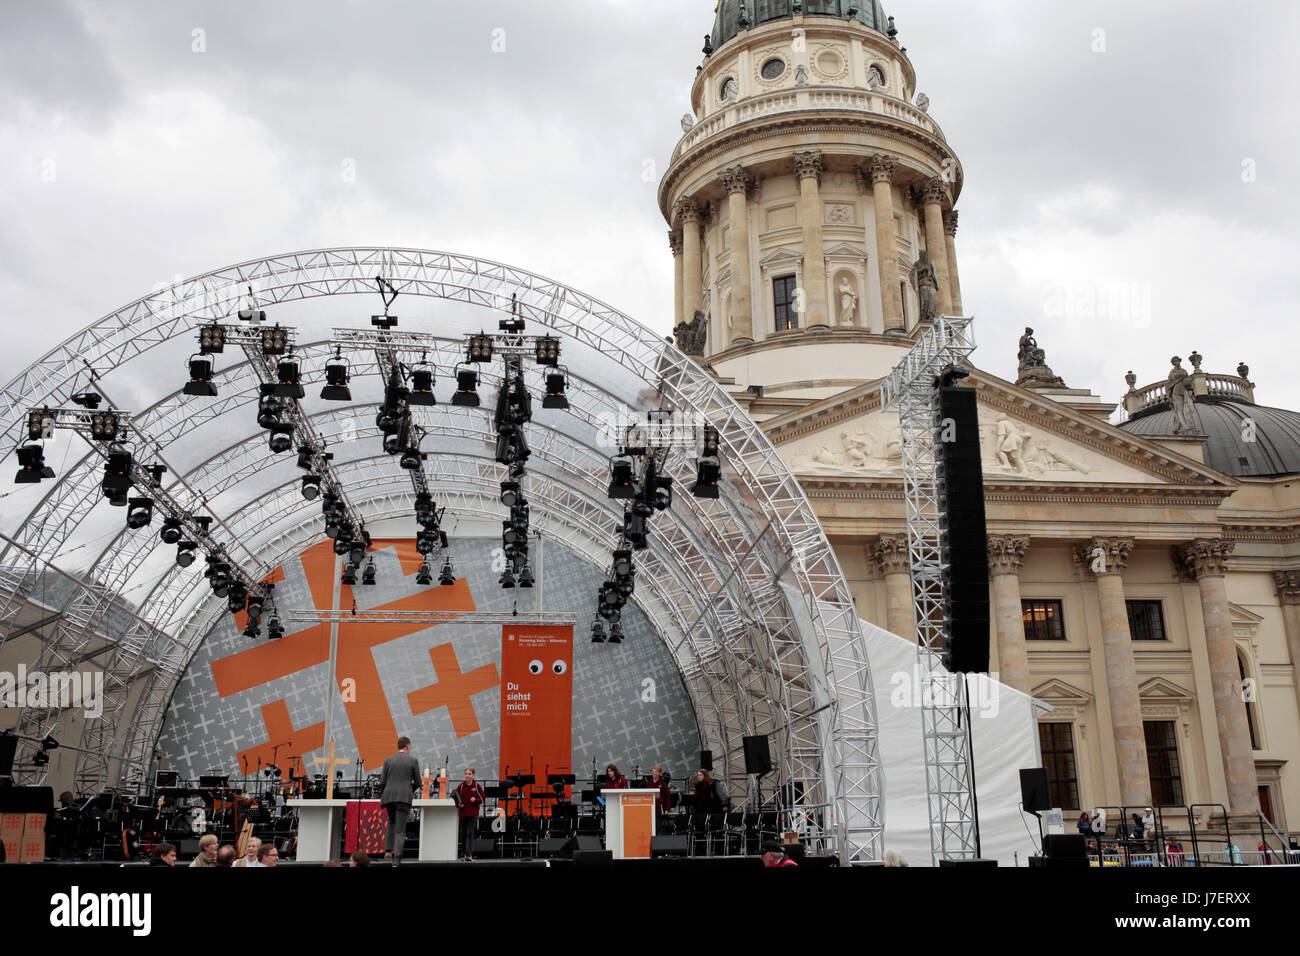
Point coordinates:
[(773, 68)]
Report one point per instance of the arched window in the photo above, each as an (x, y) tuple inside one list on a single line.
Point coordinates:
[(875, 76), (1248, 695)]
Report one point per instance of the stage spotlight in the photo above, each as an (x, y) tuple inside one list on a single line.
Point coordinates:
[(357, 552), (342, 542), (139, 513), (507, 579), (89, 400), (116, 498), (466, 393), (555, 386), (281, 438), (422, 387), (185, 553), (598, 632), (31, 465), (40, 424), (635, 531), (275, 341), (480, 348), (626, 586), (412, 458), (274, 629), (40, 758), (305, 457), (255, 604), (253, 630), (663, 492), (526, 577), (710, 442), (621, 480), (236, 597), (368, 574), (548, 350), (349, 574), (310, 486), (622, 563), (171, 530), (268, 407), (218, 572), (221, 587), (510, 495), (424, 575), (336, 381), (212, 339), (200, 382), (155, 473), (707, 473), (290, 385), (425, 542), (616, 632), (448, 576), (103, 426)]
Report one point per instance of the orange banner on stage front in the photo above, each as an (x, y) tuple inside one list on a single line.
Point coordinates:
[(638, 824), (536, 699)]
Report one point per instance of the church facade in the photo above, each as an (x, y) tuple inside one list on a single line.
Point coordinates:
[(1145, 577)]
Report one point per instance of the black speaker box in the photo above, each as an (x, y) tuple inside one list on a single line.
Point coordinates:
[(27, 800), (706, 760), (583, 843), (552, 846), (758, 759), (661, 846), (1035, 794), (970, 864), (593, 858), (8, 747), (485, 846), (1064, 846)]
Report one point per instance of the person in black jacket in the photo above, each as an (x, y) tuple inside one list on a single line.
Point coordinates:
[(397, 785)]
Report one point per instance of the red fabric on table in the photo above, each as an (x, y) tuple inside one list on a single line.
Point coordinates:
[(367, 825)]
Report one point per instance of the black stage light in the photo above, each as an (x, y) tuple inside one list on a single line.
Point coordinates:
[(424, 575), (510, 535), (425, 542), (392, 443), (616, 632), (507, 579), (555, 386), (275, 341), (40, 758), (342, 542), (547, 350), (305, 457), (155, 473), (663, 492), (200, 382), (290, 380), (253, 630), (480, 348), (89, 400), (310, 486), (116, 498), (448, 576), (368, 574), (411, 459), (707, 473), (357, 552), (349, 574), (621, 480), (139, 513), (251, 315), (268, 407), (281, 438), (622, 563), (627, 585), (103, 426), (255, 604), (336, 381), (466, 393), (212, 339), (117, 471), (598, 632), (40, 424), (422, 387), (236, 597), (171, 530), (510, 493), (635, 531), (31, 465), (185, 553), (274, 629), (526, 577), (710, 442)]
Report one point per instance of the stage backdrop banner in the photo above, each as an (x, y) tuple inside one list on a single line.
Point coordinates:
[(536, 699)]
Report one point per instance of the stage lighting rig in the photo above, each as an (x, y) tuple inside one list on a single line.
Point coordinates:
[(171, 531), (104, 426), (200, 382), (623, 563), (212, 339), (268, 407), (510, 493), (547, 350), (349, 574), (708, 466), (616, 631), (466, 394), (598, 631), (117, 471), (526, 577), (422, 382), (31, 465), (185, 553), (556, 385), (448, 576), (275, 340), (311, 487), (139, 513), (622, 479), (40, 424), (89, 400), (368, 574), (290, 379), (281, 438), (389, 294), (337, 377), (424, 576)]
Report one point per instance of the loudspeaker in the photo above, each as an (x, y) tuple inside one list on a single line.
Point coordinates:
[(971, 864), (963, 533), (27, 800), (706, 760), (485, 846), (552, 846), (583, 843), (593, 858), (1064, 846), (758, 758), (1035, 793), (8, 747), (661, 846)]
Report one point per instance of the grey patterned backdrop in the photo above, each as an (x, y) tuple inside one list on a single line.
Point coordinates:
[(630, 705)]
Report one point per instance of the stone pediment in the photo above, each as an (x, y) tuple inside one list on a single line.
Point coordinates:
[(1024, 437), (783, 254), (1158, 688), (1060, 692), (846, 250)]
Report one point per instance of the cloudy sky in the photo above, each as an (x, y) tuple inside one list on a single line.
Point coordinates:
[(1128, 164)]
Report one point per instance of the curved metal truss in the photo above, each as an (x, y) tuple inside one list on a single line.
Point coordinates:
[(745, 590)]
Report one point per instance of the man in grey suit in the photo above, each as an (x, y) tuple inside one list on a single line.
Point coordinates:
[(397, 784)]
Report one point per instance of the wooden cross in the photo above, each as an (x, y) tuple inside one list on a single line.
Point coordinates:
[(329, 773)]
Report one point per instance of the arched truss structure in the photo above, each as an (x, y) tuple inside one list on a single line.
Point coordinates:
[(745, 590)]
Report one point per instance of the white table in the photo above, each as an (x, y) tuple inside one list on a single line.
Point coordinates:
[(320, 825), (439, 829)]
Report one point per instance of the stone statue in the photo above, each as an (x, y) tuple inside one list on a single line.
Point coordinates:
[(1033, 368), (1131, 380), (691, 336), (857, 447), (923, 102), (801, 75), (926, 282), (1243, 370), (1012, 440), (1182, 399), (1196, 358), (688, 122), (848, 303)]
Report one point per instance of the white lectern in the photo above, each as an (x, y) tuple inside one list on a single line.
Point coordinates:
[(629, 822), (320, 826), (439, 829)]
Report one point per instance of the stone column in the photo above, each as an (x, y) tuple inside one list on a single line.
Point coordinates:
[(1288, 598), (1006, 559), (892, 559), (1203, 560), (1105, 559), (690, 215), (950, 235), (882, 191), (808, 170), (738, 183), (675, 244), (932, 199)]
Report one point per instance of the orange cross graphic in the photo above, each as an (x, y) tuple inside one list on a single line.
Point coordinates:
[(285, 746), (454, 690)]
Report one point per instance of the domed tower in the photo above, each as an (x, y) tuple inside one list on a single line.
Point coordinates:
[(811, 202)]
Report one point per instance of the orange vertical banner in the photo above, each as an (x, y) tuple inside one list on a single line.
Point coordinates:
[(536, 699), (638, 825)]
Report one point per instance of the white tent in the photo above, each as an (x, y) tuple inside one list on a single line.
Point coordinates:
[(1005, 740)]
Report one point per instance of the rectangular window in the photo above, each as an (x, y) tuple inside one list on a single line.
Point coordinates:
[(783, 298), (1146, 620), (1057, 743), (1044, 620), (1162, 762)]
